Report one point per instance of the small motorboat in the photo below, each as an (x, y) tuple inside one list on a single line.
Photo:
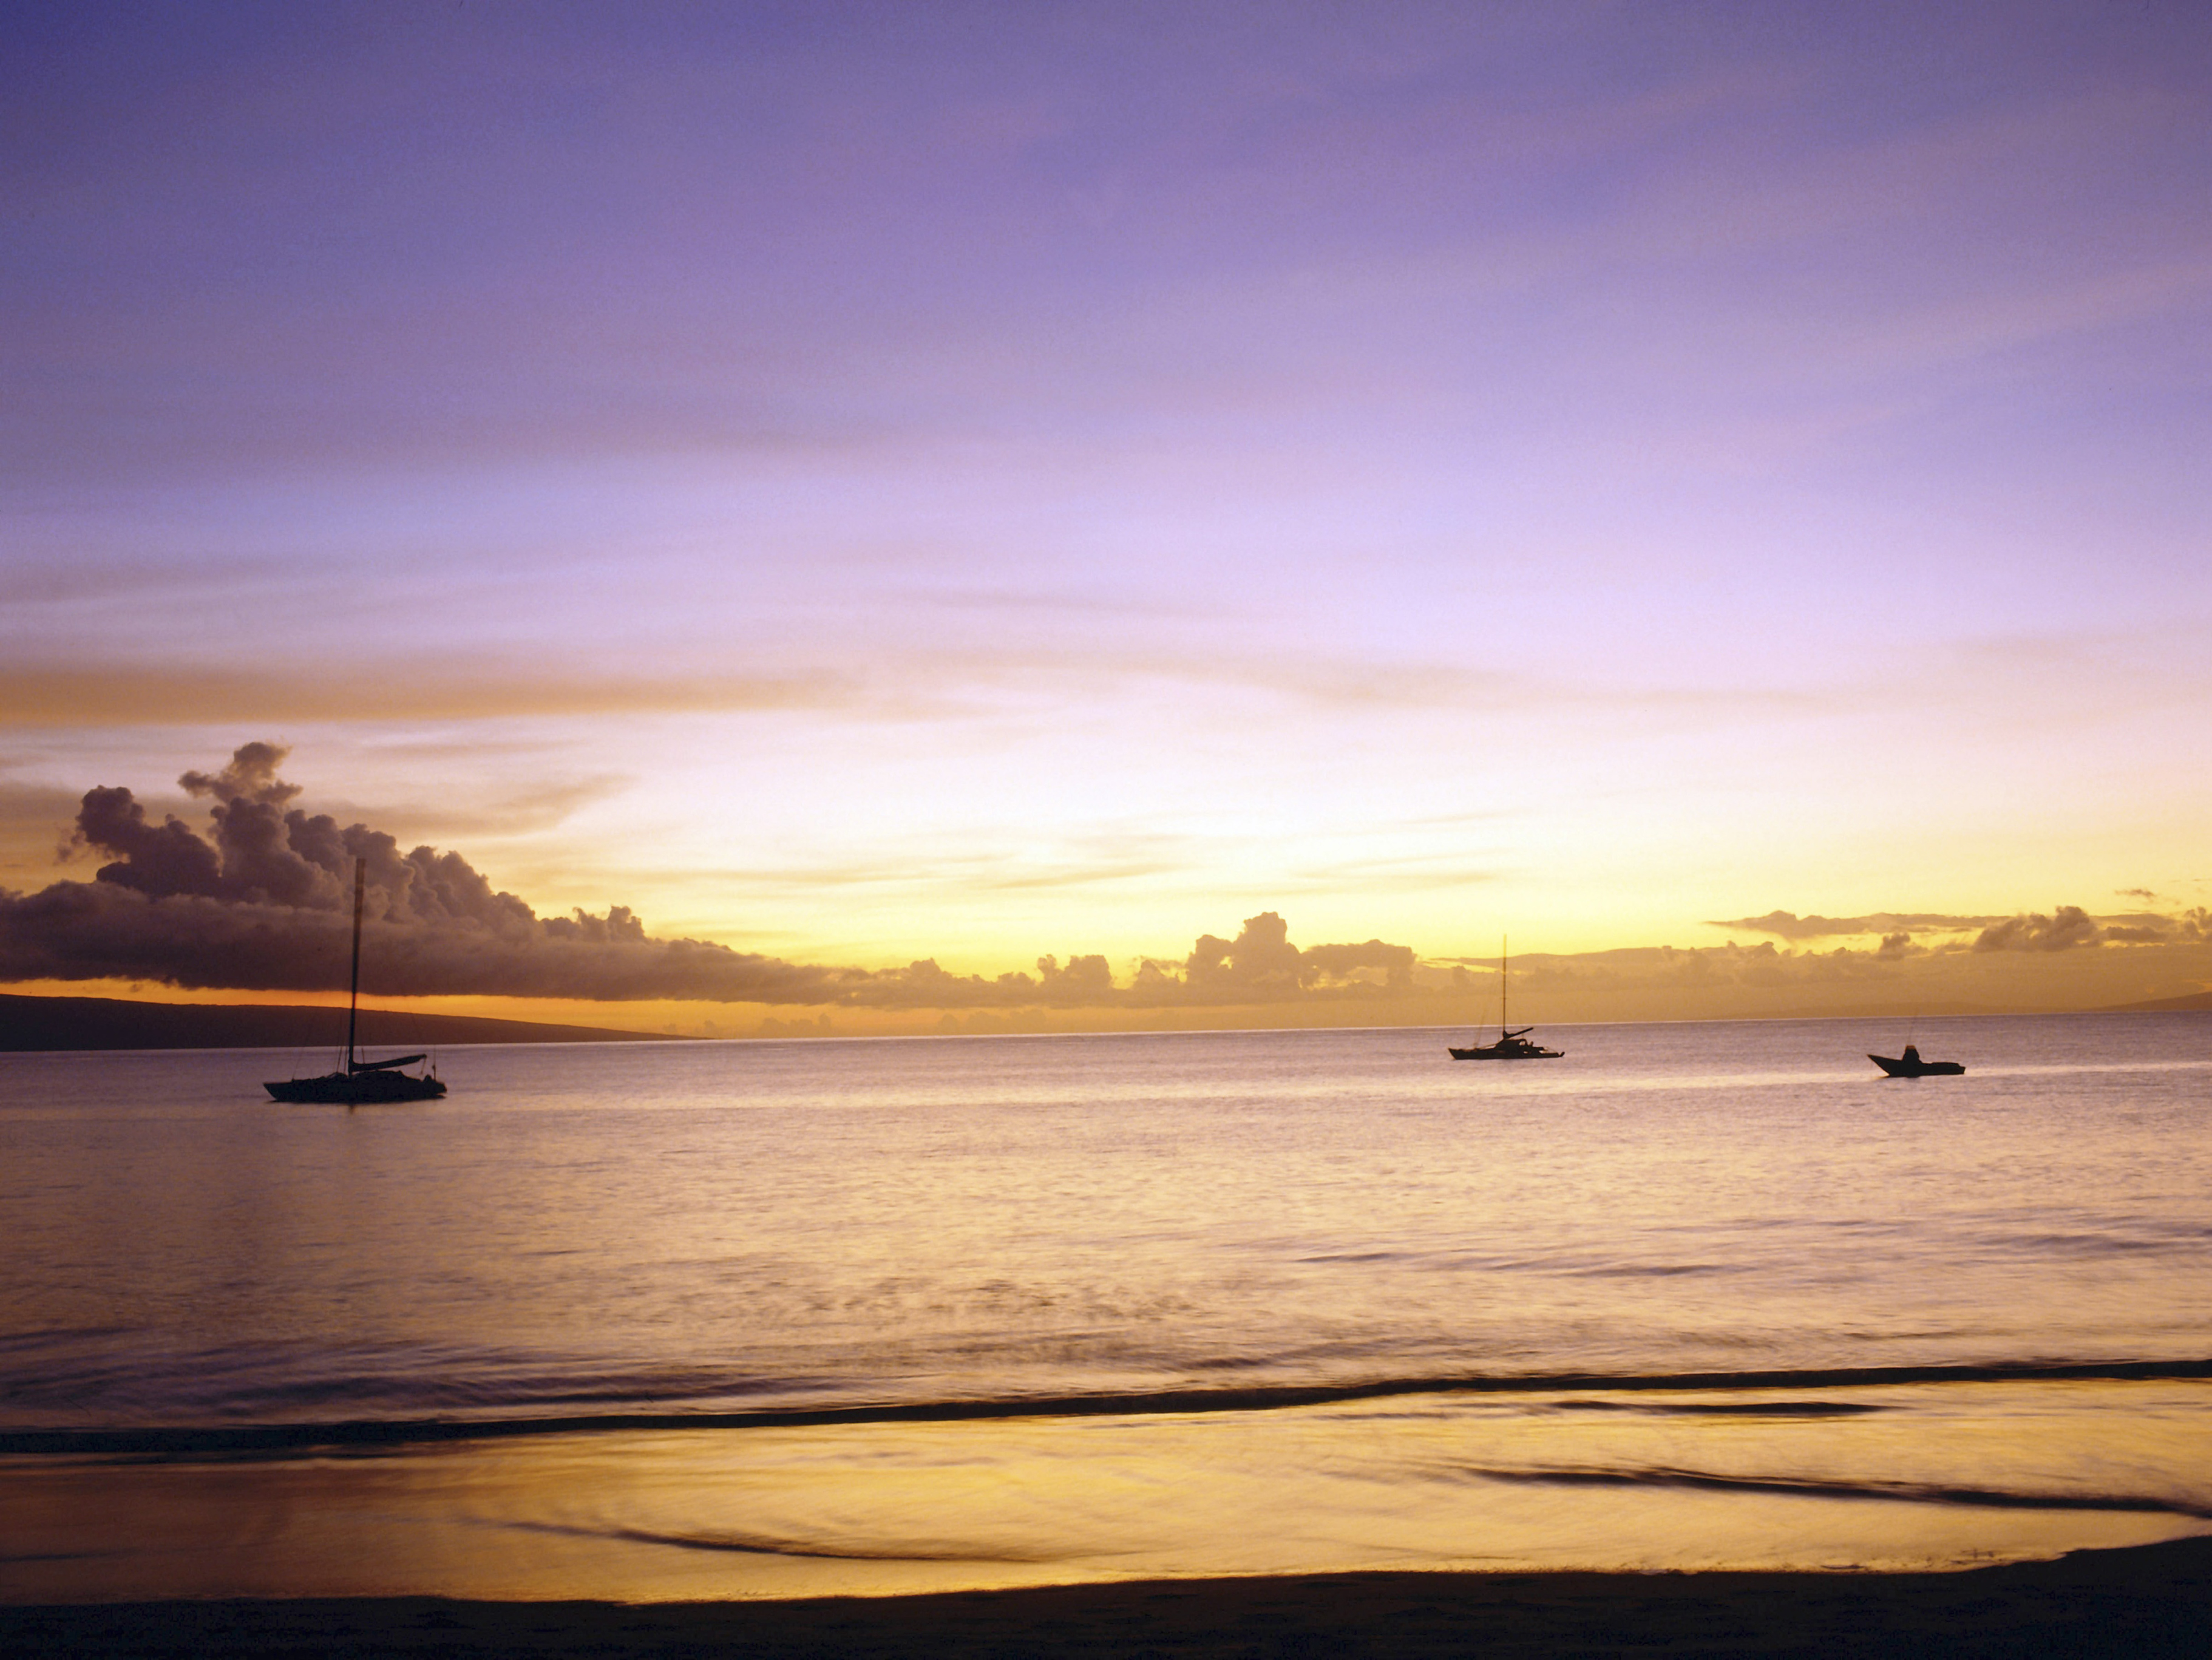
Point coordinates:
[(1910, 1065)]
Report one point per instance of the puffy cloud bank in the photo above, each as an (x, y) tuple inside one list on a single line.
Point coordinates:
[(262, 902), (2072, 925), (2069, 926)]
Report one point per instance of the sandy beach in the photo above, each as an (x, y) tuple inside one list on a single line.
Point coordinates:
[(2150, 1601)]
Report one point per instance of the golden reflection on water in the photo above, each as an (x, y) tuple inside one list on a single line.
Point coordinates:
[(1933, 1475)]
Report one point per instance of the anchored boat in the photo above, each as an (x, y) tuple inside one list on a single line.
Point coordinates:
[(361, 1083), (1910, 1065), (1510, 1045)]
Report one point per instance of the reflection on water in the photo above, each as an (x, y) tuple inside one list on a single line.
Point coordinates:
[(588, 1235)]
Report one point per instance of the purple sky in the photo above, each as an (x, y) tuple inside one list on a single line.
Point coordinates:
[(873, 481)]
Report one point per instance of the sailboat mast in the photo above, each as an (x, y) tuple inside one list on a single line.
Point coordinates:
[(1504, 981), (353, 994)]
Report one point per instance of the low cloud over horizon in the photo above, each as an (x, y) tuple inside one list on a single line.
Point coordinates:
[(1788, 925), (2067, 926), (261, 903)]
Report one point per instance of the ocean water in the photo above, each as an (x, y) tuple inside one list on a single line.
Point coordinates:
[(787, 1318)]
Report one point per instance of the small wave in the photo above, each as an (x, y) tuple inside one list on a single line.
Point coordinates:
[(47, 1339), (244, 1381), (1730, 1409), (2101, 1244), (1914, 1492), (277, 1439), (763, 1545)]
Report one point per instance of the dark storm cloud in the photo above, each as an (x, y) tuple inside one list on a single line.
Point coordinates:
[(91, 930), (261, 900)]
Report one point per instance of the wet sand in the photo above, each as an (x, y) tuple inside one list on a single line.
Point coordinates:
[(2151, 1601)]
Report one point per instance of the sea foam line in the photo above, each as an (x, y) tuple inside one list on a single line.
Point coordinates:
[(158, 1440)]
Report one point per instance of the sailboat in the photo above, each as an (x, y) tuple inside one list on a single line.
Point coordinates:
[(361, 1083), (1511, 1045)]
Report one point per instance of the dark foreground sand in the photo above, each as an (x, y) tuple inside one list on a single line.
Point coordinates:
[(2155, 1600)]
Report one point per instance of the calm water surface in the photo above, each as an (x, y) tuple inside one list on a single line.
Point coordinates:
[(1088, 1306)]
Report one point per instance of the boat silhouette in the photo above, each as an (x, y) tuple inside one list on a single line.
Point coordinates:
[(1511, 1045), (1910, 1065), (361, 1083)]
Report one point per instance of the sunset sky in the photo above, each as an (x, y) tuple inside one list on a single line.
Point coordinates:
[(860, 484)]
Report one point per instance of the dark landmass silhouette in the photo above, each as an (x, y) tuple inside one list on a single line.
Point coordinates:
[(111, 1023), (2195, 1000)]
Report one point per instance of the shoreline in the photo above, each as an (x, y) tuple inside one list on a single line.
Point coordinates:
[(2146, 1601)]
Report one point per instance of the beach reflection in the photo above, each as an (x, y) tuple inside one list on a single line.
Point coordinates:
[(1892, 1477)]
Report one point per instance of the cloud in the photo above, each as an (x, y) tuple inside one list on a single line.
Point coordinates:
[(79, 931), (1262, 965), (2071, 926), (2148, 928), (1710, 968), (1259, 966), (261, 902), (1788, 925)]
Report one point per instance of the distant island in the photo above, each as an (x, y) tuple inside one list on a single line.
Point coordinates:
[(110, 1022), (2194, 1001)]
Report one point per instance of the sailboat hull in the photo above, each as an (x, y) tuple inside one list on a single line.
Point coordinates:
[(361, 1089), (354, 1090)]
